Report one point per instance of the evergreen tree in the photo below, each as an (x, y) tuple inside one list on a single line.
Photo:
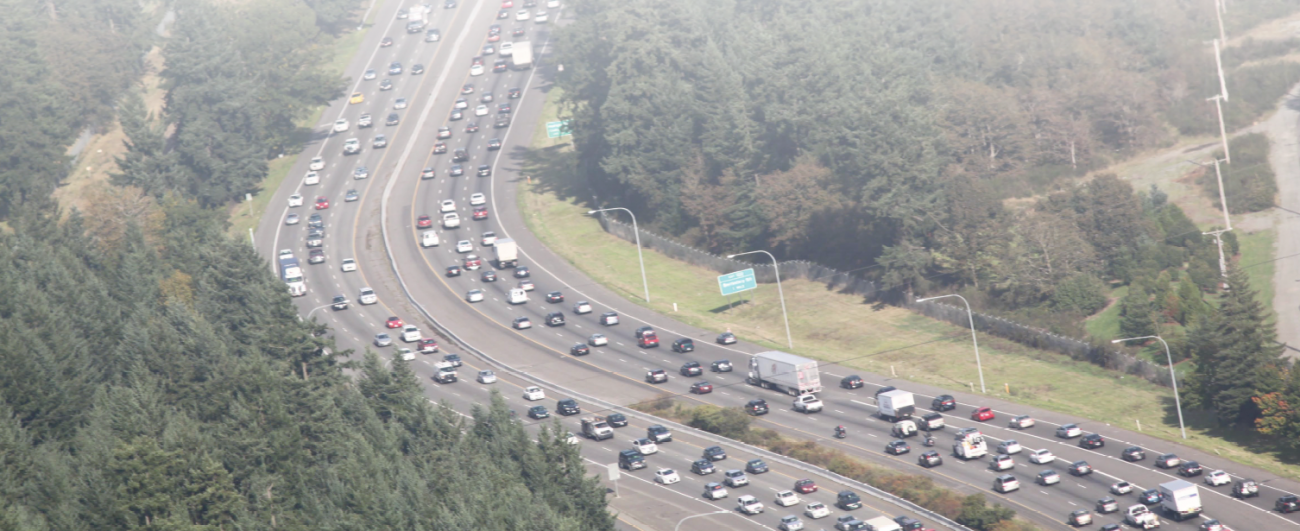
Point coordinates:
[(1135, 317)]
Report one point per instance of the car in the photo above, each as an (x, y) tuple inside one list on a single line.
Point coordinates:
[(666, 476), (428, 173), (582, 308), (1217, 478), (393, 322), (1009, 447), (1111, 527), (518, 32), (341, 125), (702, 387), (444, 132), (735, 478), (715, 453), (541, 17), (757, 407), (527, 285), (805, 486), (295, 200), (1001, 462), (816, 510), (1107, 505), (884, 390), (554, 318), (849, 522), (423, 222), (1092, 441), (580, 349), (538, 412), (316, 256), (1168, 461), (393, 119), (703, 467), (432, 35), (1121, 488), (484, 170), (503, 108), (907, 523), (1021, 422), (513, 93), (292, 219), (521, 323), (383, 340), (522, 15), (494, 144), (351, 195), (370, 74), (356, 98), (898, 447), (943, 403), (500, 65), (656, 376), (316, 221), (982, 414), (450, 220), (506, 49), (567, 407), (351, 146), (405, 354), (1080, 468), (690, 368), (1287, 504), (522, 272), (1190, 469), (848, 500), (658, 433), (930, 459), (609, 318), (534, 393), (477, 70), (720, 366), (1069, 431), (456, 114), (597, 340), (1133, 454), (386, 84), (1079, 517), (410, 333), (427, 345), (645, 446), (400, 103), (481, 110), (367, 296), (487, 97), (786, 498), (726, 338), (756, 466), (417, 69), (616, 420), (1041, 457), (311, 179), (348, 265), (456, 170), (1149, 497), (1006, 483), (1047, 477), (715, 491), (1213, 525), (683, 345), (394, 68), (464, 246), (380, 141), (474, 295), (480, 213), (322, 203), (488, 276), (439, 148), (748, 504), (477, 198), (340, 302), (315, 238), (386, 42)]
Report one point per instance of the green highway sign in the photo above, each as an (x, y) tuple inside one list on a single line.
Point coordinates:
[(732, 283), (557, 129)]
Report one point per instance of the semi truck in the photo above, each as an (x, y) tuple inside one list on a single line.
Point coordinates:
[(597, 429), (896, 405), (1180, 499), (291, 274), (507, 253), (784, 372), (521, 54), (970, 446)]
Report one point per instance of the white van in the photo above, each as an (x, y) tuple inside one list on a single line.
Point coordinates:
[(428, 238), (410, 334), (518, 296)]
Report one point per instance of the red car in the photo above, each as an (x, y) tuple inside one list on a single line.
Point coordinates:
[(494, 38), (388, 41), (701, 388), (322, 203), (982, 414), (480, 213), (519, 32), (424, 222), (805, 486), (394, 322), (648, 340), (473, 262), (439, 148), (507, 4), (428, 345)]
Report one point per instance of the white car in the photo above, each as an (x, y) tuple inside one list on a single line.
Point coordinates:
[(481, 110), (286, 253), (367, 296), (450, 220), (522, 15), (464, 246), (1121, 488), (461, 103), (816, 510), (582, 307), (787, 498), (570, 438), (476, 70), (487, 377), (552, 4), (540, 17), (1009, 447), (506, 49), (1041, 457), (341, 125), (406, 354), (1217, 478), (410, 333), (295, 200), (598, 340), (1069, 431), (748, 504), (666, 476), (311, 178), (645, 446), (534, 393), (447, 205), (348, 265), (476, 199), (489, 239), (790, 522), (474, 295), (317, 164), (429, 239)]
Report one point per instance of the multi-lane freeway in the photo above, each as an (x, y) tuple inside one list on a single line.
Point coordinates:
[(380, 231)]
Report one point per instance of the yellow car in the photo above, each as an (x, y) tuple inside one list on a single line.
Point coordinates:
[(357, 97)]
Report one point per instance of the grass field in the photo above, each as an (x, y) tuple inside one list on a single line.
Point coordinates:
[(1257, 261), (845, 329)]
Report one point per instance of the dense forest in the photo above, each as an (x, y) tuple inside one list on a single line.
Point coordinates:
[(155, 372)]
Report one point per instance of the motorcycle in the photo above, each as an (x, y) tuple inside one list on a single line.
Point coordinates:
[(840, 434), (929, 440)]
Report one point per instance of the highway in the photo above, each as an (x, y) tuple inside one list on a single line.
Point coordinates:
[(394, 195)]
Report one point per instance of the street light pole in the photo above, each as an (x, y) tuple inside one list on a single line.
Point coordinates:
[(1177, 403), (637, 233), (971, 317), (1227, 222), (679, 522), (788, 338)]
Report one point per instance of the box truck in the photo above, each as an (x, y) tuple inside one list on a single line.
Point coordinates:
[(291, 274), (896, 405), (784, 372), (507, 253), (1180, 499)]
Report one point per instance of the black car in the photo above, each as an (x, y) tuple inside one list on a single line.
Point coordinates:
[(499, 66), (514, 93), (567, 406), (943, 403), (1149, 497), (1168, 461), (459, 155), (715, 453), (386, 84), (757, 406), (503, 120), (908, 523), (702, 467), (488, 276), (1092, 441), (453, 271), (1287, 504), (468, 88), (453, 359), (755, 466), (683, 345), (456, 115), (340, 302), (484, 170), (659, 434), (494, 144), (449, 4), (315, 221), (641, 332), (616, 420), (521, 272), (848, 500), (897, 447), (554, 297), (1111, 527), (691, 368), (538, 412), (471, 127), (1245, 488), (503, 108), (930, 459), (579, 349), (1080, 468), (631, 460), (1190, 468), (1133, 453), (721, 366), (393, 119), (609, 318), (555, 319), (852, 381), (884, 390)]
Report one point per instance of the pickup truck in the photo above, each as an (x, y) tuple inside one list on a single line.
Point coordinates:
[(808, 403)]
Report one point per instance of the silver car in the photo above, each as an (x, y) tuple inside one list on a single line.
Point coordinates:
[(598, 340), (487, 377), (382, 339)]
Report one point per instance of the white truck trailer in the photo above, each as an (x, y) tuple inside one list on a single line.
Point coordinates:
[(507, 253), (784, 372), (896, 405), (521, 55), (1180, 499)]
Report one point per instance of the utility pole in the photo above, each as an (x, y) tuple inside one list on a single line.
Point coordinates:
[(1218, 61), (1219, 10), (1227, 222), (1223, 131)]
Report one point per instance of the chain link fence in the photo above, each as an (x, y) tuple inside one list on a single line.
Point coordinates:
[(846, 283)]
